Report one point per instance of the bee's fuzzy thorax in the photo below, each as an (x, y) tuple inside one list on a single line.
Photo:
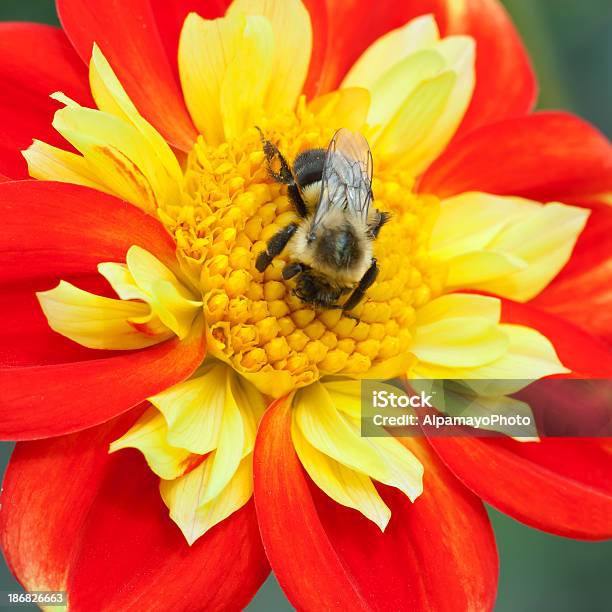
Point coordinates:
[(311, 194)]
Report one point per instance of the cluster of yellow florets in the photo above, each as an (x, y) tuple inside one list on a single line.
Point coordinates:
[(231, 208)]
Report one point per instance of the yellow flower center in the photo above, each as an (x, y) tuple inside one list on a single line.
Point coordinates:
[(231, 208)]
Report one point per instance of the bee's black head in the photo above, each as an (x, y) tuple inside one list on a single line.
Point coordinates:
[(316, 289)]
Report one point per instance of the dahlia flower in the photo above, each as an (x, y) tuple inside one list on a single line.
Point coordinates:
[(135, 199)]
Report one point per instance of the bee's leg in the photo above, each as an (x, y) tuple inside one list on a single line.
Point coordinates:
[(292, 269), (381, 219), (364, 284), (283, 175), (276, 244)]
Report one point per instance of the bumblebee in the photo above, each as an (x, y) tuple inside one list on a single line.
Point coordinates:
[(331, 245)]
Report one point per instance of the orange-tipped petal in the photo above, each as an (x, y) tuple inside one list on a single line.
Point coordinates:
[(49, 400), (25, 336), (111, 542), (129, 37), (336, 559), (546, 156), (54, 231), (585, 355), (560, 485), (588, 274), (40, 533), (50, 230), (132, 548)]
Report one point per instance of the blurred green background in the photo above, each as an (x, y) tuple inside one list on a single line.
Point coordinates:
[(570, 42)]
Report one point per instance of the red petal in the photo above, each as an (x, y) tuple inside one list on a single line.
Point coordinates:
[(585, 355), (319, 18), (560, 485), (44, 401), (35, 61), (582, 292), (132, 556), (39, 532), (170, 16), (105, 535), (127, 34), (546, 156), (53, 231), (57, 229), (438, 553), (25, 336), (505, 84)]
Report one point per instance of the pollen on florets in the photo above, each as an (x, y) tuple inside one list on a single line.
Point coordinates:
[(231, 208)]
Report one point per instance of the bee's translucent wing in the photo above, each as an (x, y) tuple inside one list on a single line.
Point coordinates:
[(347, 176)]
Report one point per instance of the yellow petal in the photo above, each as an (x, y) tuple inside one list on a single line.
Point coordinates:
[(459, 340), (420, 33), (460, 55), (406, 471), (205, 47), (317, 415), (123, 159), (120, 279), (230, 445), (456, 404), (530, 356), (459, 305), (183, 498), (459, 330), (246, 78), (324, 428), (168, 297), (172, 305), (216, 410), (421, 87), (48, 163), (251, 404), (406, 138), (346, 393), (398, 82), (149, 436), (475, 268), (111, 97), (292, 32), (194, 410), (344, 485), (348, 107), (99, 322), (545, 240), (508, 246), (470, 221), (275, 383)]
